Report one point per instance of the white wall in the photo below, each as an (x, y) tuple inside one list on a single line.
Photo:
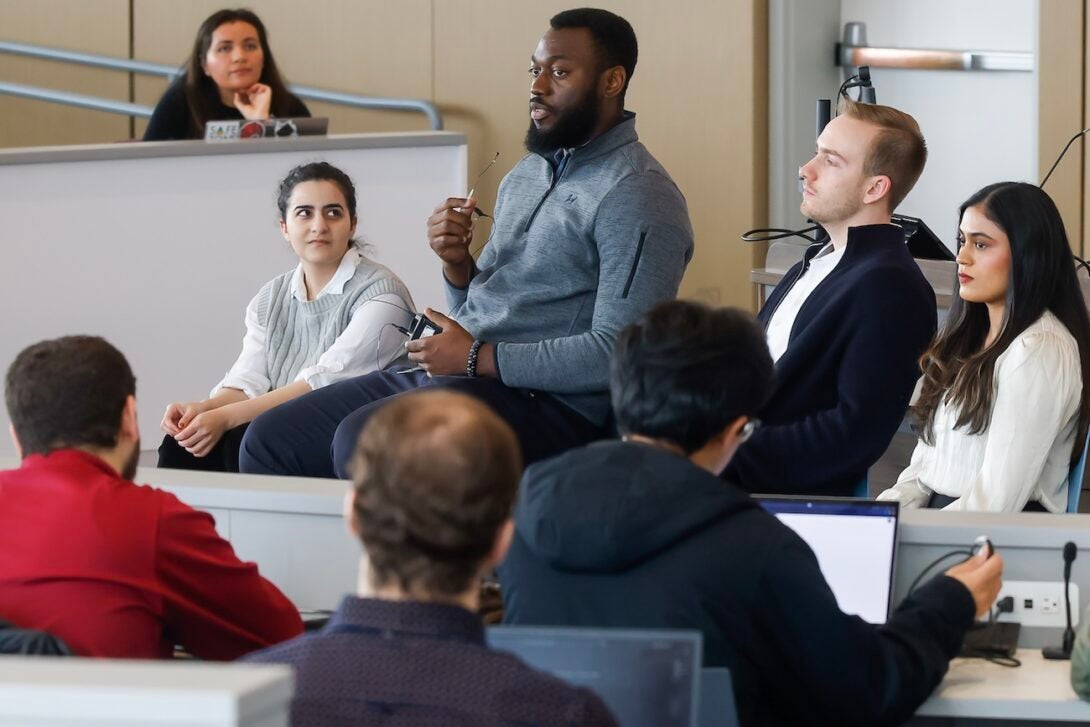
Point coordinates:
[(802, 35), (981, 127)]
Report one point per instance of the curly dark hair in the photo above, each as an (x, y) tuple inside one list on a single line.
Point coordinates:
[(68, 392)]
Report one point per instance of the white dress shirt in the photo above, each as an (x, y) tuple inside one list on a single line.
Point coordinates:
[(368, 343), (783, 320), (1025, 453)]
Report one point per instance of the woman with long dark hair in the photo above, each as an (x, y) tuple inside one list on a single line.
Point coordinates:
[(1001, 410), (230, 74)]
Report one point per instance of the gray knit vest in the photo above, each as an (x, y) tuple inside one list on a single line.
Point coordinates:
[(299, 332)]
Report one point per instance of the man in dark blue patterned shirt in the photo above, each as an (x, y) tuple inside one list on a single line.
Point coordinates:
[(435, 476)]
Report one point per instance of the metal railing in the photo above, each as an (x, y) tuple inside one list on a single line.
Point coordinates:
[(160, 69), (854, 51)]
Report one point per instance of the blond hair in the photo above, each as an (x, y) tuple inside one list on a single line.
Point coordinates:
[(898, 151)]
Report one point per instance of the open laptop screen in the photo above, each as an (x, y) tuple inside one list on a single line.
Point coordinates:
[(647, 678), (233, 129), (854, 541)]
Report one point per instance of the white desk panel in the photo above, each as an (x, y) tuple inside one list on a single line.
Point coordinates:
[(159, 247), (51, 692)]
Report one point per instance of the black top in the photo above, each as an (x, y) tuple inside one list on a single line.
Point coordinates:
[(844, 382), (626, 535), (171, 119), (409, 663)]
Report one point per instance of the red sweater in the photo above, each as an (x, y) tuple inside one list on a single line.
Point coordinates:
[(123, 570)]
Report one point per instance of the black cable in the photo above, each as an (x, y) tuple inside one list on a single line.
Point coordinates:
[(475, 251), (378, 341), (1060, 158), (1082, 264), (844, 88), (378, 338), (779, 233), (997, 659), (856, 81), (386, 302), (936, 562)]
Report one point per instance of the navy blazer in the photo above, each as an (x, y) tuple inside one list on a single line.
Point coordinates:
[(852, 361)]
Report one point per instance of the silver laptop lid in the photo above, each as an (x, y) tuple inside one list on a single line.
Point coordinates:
[(646, 678)]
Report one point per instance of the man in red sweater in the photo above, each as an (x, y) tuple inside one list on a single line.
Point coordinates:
[(112, 568)]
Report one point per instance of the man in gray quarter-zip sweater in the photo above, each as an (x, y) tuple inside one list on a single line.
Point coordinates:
[(589, 232)]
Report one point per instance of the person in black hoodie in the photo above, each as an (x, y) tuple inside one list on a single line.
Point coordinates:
[(641, 533), (848, 324)]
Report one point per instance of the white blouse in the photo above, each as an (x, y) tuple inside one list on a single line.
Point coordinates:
[(1025, 453), (368, 343)]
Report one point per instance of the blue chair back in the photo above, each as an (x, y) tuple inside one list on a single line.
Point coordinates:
[(1074, 479), (863, 488)]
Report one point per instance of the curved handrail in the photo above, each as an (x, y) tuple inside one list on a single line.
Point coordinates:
[(161, 69), (75, 99)]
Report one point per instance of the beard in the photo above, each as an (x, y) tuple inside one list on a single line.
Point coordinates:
[(571, 128), (128, 472), (827, 212)]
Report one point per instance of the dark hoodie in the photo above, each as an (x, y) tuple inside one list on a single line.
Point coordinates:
[(628, 535)]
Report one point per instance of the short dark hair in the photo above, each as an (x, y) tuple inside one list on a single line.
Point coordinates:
[(315, 172), (68, 392), (684, 371), (613, 36), (435, 476)]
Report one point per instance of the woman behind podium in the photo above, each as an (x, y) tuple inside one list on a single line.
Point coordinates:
[(331, 318), (1001, 405), (231, 74)]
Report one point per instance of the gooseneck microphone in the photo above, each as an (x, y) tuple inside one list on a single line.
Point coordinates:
[(1064, 651), (1056, 163)]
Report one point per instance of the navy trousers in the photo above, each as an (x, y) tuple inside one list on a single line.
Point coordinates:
[(315, 435), (222, 458)]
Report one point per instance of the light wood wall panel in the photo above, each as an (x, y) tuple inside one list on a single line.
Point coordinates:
[(101, 26), (368, 48), (1060, 97), (698, 90)]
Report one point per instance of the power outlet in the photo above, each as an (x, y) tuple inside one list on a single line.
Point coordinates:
[(1040, 603)]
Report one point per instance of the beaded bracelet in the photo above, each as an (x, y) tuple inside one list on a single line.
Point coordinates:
[(471, 362)]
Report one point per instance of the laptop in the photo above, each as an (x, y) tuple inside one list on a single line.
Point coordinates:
[(855, 543), (233, 130), (645, 678), (717, 707)]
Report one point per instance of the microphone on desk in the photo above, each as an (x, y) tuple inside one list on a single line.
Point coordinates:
[(1064, 651)]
